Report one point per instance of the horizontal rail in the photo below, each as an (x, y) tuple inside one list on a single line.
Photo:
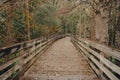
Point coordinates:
[(98, 57), (19, 57)]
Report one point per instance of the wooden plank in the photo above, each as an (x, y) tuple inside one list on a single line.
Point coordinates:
[(28, 65), (40, 50), (89, 49), (28, 44), (103, 48), (109, 64), (91, 64), (9, 63), (40, 45), (9, 72), (79, 48), (29, 58), (94, 68), (33, 54), (85, 52), (32, 49), (104, 69), (39, 41)]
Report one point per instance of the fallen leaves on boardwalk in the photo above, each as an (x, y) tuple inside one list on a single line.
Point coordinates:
[(61, 62)]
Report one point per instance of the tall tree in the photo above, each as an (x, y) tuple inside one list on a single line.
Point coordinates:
[(27, 18), (9, 24)]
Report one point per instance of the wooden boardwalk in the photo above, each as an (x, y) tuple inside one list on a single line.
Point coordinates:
[(61, 61)]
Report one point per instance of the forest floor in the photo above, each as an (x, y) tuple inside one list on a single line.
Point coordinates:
[(61, 61)]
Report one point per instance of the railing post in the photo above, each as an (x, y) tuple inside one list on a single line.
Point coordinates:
[(34, 47), (100, 71), (88, 45), (21, 61)]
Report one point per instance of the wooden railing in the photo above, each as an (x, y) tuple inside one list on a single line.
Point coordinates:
[(103, 60), (16, 60)]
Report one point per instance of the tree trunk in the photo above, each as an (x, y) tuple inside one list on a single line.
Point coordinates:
[(101, 27), (9, 26), (27, 18)]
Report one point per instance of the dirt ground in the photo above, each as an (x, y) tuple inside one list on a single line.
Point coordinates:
[(61, 61)]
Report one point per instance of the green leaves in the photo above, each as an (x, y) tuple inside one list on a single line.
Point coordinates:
[(45, 18), (19, 26), (45, 15), (70, 22), (3, 28)]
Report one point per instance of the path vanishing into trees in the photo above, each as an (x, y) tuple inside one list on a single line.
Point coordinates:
[(59, 39), (61, 61)]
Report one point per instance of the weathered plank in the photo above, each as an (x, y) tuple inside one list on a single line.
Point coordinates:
[(103, 61), (28, 51), (9, 72), (104, 69), (103, 48), (87, 56), (9, 63)]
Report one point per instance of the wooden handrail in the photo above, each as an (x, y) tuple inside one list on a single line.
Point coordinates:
[(97, 59), (107, 50), (23, 55)]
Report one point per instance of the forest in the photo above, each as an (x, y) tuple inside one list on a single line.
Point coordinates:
[(87, 35), (97, 20)]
